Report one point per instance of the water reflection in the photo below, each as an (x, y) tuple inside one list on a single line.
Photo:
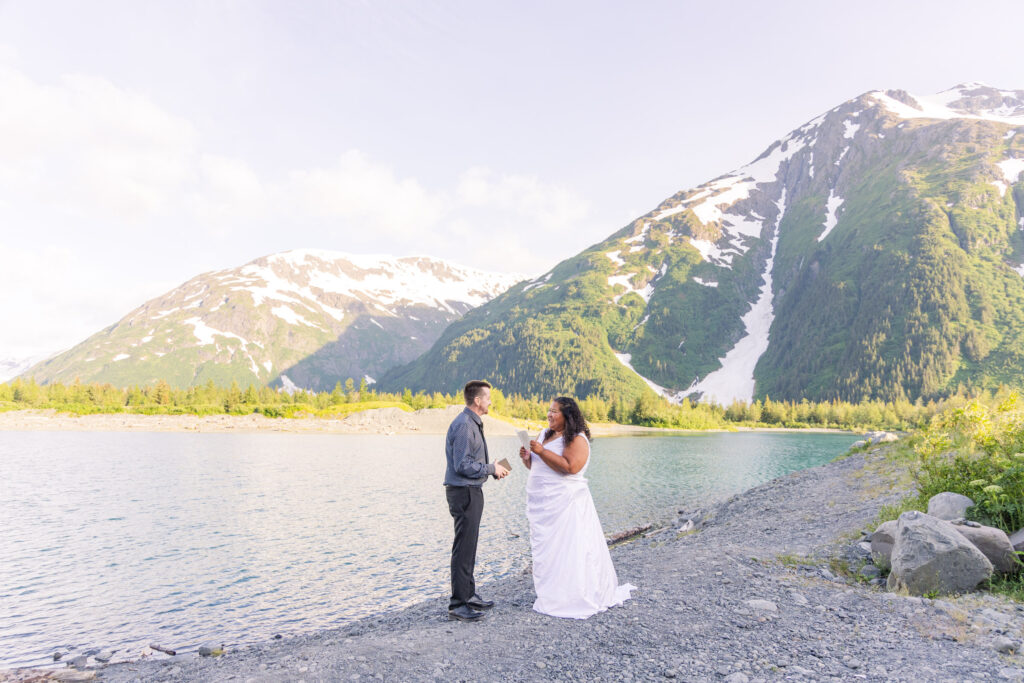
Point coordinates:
[(120, 539)]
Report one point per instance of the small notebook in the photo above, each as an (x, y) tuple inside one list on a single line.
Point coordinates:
[(504, 463)]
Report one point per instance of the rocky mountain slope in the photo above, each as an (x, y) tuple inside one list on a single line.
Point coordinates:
[(310, 318), (875, 251)]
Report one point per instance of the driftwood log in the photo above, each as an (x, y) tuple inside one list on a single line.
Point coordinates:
[(628, 534), (158, 648)]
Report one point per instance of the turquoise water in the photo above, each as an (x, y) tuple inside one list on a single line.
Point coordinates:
[(115, 540)]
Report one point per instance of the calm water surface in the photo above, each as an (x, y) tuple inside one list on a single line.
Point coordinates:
[(116, 540)]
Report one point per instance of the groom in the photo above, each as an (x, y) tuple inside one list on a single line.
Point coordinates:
[(468, 468)]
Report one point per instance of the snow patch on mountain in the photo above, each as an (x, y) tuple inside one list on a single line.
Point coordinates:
[(831, 207), (290, 316), (538, 282), (850, 129), (1011, 168), (706, 283), (205, 334), (645, 292), (956, 103), (304, 276), (735, 379)]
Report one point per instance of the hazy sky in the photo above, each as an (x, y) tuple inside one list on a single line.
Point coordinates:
[(142, 143)]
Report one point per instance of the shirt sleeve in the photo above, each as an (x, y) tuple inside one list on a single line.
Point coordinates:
[(462, 454)]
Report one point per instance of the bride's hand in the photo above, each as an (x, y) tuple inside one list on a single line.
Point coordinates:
[(524, 456), (537, 447)]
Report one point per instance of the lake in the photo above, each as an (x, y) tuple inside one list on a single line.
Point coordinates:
[(113, 540)]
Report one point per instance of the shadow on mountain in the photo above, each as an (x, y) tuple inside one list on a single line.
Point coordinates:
[(369, 346)]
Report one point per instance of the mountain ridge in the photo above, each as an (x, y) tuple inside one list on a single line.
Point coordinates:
[(709, 294), (303, 317)]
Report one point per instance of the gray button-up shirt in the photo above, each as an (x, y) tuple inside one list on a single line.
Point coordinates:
[(466, 452)]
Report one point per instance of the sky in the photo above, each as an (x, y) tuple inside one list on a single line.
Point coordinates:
[(144, 143)]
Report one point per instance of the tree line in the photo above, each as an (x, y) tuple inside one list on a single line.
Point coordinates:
[(648, 410)]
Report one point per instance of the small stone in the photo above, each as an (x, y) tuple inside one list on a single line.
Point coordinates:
[(79, 660), (541, 665), (851, 663), (671, 673), (57, 656), (762, 605), (104, 656), (738, 677), (1004, 645), (798, 599)]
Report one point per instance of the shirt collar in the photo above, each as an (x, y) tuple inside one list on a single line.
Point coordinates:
[(473, 416)]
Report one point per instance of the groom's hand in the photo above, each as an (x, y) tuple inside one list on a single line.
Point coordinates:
[(499, 471)]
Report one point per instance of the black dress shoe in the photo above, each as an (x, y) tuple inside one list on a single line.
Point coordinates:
[(464, 613), (476, 602)]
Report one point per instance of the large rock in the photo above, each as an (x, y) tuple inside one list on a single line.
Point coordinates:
[(1017, 540), (881, 543), (930, 556), (949, 505), (993, 543), (881, 437)]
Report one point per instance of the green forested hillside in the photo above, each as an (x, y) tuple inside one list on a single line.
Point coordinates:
[(896, 273)]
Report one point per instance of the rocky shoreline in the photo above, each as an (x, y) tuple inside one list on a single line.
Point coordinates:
[(386, 421), (758, 588)]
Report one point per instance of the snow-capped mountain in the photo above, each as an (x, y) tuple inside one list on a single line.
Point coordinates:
[(874, 251), (12, 367), (302, 318)]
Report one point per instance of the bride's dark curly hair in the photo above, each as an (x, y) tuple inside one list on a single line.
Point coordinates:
[(574, 422)]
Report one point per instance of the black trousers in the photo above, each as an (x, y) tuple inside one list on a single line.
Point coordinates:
[(466, 503)]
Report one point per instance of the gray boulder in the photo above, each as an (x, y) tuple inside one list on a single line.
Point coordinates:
[(993, 543), (929, 555), (949, 505), (881, 543), (1017, 540), (881, 437)]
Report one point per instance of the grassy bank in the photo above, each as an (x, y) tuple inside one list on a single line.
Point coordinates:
[(977, 450)]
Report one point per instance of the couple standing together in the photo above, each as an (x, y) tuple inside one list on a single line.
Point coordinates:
[(572, 568)]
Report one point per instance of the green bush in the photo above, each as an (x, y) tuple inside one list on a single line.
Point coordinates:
[(976, 450)]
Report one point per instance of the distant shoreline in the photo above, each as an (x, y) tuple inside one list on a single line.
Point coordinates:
[(384, 421)]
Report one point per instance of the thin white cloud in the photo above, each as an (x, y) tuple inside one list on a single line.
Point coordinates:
[(89, 147), (549, 207), (359, 190), (121, 184)]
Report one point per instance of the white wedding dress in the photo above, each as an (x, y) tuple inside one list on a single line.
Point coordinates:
[(572, 568)]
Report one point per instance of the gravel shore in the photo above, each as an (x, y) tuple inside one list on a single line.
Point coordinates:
[(385, 421), (748, 597)]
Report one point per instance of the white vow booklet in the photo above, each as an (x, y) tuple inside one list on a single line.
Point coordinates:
[(524, 438)]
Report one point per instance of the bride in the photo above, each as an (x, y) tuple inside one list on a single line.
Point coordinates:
[(572, 568)]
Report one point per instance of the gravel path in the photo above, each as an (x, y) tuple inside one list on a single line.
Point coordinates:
[(748, 597)]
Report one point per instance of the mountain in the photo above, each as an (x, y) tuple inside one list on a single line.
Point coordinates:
[(308, 318), (875, 251), (12, 367)]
